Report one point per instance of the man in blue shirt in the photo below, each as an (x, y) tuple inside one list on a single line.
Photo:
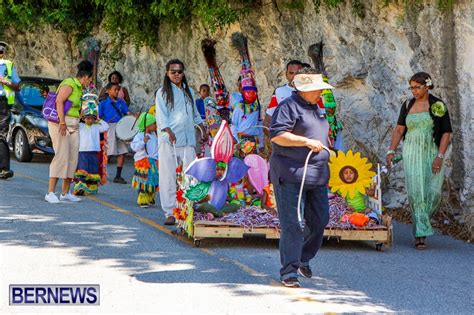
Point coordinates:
[(9, 83), (111, 110), (299, 127), (176, 114)]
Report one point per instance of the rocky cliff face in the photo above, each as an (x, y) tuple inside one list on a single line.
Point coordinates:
[(369, 61)]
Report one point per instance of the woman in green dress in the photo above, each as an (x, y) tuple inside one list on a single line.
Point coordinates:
[(425, 126)]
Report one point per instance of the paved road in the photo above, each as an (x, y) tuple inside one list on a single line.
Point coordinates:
[(142, 267)]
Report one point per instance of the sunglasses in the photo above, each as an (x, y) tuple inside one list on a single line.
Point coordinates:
[(176, 71)]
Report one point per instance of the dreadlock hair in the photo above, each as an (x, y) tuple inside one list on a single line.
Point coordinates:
[(168, 90)]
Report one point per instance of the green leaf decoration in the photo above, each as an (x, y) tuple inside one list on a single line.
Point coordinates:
[(197, 192)]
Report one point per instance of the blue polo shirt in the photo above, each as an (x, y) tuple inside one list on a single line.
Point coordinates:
[(108, 113), (201, 108), (296, 116)]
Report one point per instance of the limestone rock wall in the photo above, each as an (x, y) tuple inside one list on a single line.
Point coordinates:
[(369, 61)]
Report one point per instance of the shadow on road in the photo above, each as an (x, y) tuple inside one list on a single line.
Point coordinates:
[(350, 273)]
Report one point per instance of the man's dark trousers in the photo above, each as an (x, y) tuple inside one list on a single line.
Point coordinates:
[(4, 122), (298, 247)]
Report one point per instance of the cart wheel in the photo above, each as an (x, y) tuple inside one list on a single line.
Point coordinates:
[(378, 247), (197, 243)]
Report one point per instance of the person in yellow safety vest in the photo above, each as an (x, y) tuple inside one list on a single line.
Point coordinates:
[(9, 83)]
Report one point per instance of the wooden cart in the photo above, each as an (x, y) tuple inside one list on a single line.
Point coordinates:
[(212, 229), (381, 235)]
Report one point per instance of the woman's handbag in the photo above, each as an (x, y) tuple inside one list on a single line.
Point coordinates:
[(50, 112)]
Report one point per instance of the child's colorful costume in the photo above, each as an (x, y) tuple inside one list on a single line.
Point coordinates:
[(87, 176), (146, 178), (246, 121), (352, 188), (205, 171)]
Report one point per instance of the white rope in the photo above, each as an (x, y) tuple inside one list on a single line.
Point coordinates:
[(175, 154), (300, 211)]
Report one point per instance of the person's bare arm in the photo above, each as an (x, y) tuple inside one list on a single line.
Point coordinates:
[(287, 139), (443, 146), (13, 86), (397, 135)]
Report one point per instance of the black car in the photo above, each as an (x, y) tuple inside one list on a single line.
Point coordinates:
[(28, 132)]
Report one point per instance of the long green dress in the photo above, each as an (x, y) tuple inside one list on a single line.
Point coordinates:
[(423, 187)]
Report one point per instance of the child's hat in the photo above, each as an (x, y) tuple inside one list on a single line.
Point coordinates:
[(89, 105), (145, 120)]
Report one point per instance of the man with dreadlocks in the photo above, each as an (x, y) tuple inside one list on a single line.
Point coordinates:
[(176, 114)]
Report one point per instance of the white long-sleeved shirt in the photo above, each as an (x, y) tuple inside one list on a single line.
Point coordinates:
[(89, 136), (180, 120), (138, 145)]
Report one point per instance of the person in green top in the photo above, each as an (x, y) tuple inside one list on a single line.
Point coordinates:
[(65, 134)]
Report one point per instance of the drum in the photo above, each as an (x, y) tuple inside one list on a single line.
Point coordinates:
[(127, 128)]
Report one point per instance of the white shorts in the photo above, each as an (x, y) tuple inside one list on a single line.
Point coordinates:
[(115, 145)]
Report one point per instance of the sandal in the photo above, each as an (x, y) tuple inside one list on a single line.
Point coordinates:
[(420, 243)]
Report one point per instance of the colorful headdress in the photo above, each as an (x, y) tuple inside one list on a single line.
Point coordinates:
[(89, 105), (247, 76), (145, 120)]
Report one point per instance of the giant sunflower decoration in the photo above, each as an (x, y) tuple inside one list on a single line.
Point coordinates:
[(350, 173)]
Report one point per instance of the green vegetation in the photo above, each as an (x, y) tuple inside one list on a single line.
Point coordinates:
[(139, 20)]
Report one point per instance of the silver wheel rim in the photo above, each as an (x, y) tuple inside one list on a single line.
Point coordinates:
[(19, 144)]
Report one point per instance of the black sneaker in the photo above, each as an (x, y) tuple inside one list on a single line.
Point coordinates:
[(4, 174), (291, 283), (119, 180), (170, 220), (305, 271)]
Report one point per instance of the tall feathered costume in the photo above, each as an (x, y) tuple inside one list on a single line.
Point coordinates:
[(315, 52), (221, 94), (247, 76)]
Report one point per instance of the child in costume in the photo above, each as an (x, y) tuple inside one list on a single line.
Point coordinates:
[(246, 128), (335, 126), (246, 121), (145, 146), (351, 177), (87, 175)]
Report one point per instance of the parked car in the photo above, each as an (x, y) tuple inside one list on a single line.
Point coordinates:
[(28, 132)]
